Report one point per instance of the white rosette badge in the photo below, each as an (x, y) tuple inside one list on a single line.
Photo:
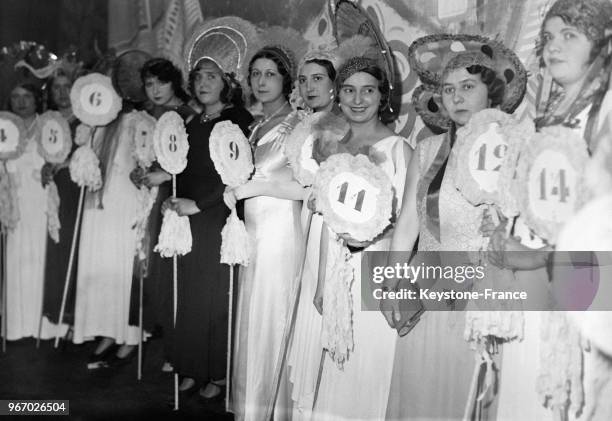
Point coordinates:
[(171, 147), (231, 153), (12, 145), (140, 131), (54, 145), (355, 198), (551, 171)]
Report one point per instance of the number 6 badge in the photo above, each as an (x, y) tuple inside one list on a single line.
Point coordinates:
[(354, 196), (551, 172), (170, 142), (55, 141), (94, 100), (231, 153), (483, 144)]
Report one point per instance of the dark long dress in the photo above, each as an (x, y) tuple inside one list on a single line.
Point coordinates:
[(200, 337), (57, 254)]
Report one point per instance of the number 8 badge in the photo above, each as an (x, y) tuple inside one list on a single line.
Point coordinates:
[(170, 142)]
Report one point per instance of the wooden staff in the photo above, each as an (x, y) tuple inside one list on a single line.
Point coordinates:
[(4, 286), (228, 370), (289, 323), (174, 303), (75, 234)]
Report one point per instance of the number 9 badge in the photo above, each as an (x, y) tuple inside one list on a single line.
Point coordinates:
[(55, 141), (231, 153), (170, 142), (94, 100), (12, 136), (354, 196), (551, 173)]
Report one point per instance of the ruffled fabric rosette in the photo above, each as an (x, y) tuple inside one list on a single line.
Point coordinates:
[(315, 133), (55, 140), (518, 135), (175, 235), (140, 131), (171, 147), (9, 206), (52, 211), (231, 153), (482, 147), (354, 196), (337, 320), (551, 174), (85, 168), (83, 134), (94, 100), (170, 142), (12, 136), (142, 127)]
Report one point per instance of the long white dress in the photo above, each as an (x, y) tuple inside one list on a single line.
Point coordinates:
[(522, 362), (26, 246), (266, 286), (361, 390), (106, 254)]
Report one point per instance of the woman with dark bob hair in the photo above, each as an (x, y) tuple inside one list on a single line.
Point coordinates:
[(199, 340)]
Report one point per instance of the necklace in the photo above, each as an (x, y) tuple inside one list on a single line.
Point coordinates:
[(208, 117), (261, 123)]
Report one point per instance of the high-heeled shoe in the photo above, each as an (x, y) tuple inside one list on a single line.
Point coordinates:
[(218, 396), (100, 360), (115, 361)]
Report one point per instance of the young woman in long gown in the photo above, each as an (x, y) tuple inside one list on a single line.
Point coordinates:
[(360, 389), (316, 76), (272, 219), (58, 254), (162, 82), (199, 339), (574, 50), (26, 243), (434, 364)]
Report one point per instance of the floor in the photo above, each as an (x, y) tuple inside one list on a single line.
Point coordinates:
[(104, 394)]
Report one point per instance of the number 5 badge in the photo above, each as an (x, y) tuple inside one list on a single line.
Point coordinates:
[(354, 196), (231, 153), (94, 100), (170, 142), (551, 173), (55, 141)]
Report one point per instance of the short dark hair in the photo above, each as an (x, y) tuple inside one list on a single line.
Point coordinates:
[(34, 90), (285, 73), (496, 87), (326, 64), (231, 92), (165, 71)]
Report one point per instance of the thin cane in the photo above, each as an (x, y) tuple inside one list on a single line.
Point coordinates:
[(4, 287), (174, 303), (229, 339), (289, 324)]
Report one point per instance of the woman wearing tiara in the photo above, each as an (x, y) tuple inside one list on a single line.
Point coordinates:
[(272, 218)]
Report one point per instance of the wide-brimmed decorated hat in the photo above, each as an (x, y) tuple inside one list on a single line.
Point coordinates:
[(432, 55), (229, 42), (358, 36)]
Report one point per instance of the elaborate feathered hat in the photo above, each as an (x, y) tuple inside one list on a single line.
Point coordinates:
[(229, 42)]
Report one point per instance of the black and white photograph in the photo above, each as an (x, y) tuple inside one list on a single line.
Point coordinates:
[(306, 210)]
